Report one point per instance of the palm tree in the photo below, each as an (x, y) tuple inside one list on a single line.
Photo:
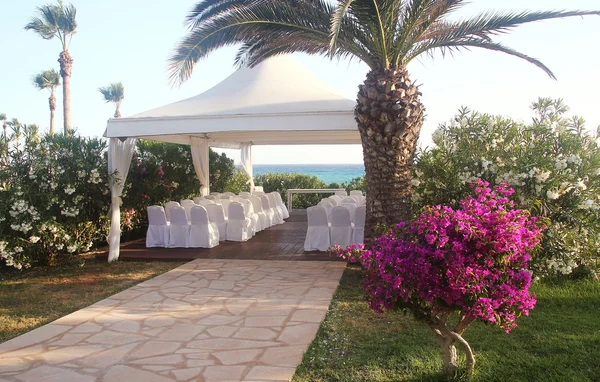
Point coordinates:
[(58, 20), (4, 125), (384, 34), (114, 93), (48, 79)]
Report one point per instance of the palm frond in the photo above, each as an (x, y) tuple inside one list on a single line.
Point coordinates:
[(337, 20), (54, 20), (114, 93), (474, 42), (48, 79), (297, 26)]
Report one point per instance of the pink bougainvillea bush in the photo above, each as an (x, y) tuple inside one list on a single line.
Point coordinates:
[(455, 266)]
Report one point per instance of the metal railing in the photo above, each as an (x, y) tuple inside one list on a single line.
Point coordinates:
[(293, 191)]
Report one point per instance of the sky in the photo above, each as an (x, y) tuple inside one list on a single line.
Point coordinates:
[(130, 41)]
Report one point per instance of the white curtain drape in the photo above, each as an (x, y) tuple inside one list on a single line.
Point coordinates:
[(199, 149), (119, 160), (247, 163)]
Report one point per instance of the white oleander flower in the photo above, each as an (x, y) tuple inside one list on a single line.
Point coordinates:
[(69, 190), (34, 239), (552, 195), (542, 176), (415, 182), (71, 248), (18, 249)]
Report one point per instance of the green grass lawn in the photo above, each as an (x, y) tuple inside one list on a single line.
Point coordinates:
[(559, 341), (34, 297)]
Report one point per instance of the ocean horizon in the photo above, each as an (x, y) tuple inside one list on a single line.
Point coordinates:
[(328, 173)]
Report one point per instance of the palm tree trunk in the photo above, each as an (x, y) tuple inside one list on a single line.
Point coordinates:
[(66, 64), (389, 115), (117, 111), (52, 102)]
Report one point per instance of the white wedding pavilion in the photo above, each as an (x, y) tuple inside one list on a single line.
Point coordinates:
[(278, 102)]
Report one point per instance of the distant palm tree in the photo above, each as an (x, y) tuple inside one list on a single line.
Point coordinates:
[(384, 34), (48, 79), (4, 125), (58, 20), (114, 93)]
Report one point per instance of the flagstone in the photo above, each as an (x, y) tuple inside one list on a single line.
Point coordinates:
[(255, 334), (162, 360), (69, 353), (33, 337), (270, 373), (299, 334), (187, 373), (308, 315), (265, 321), (87, 327), (115, 338), (222, 331), (53, 374), (122, 373), (152, 348), (108, 357), (223, 373), (181, 332), (290, 356), (236, 357)]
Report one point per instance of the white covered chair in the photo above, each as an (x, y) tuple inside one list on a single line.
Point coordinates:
[(244, 193), (341, 226), (238, 225), (205, 202), (263, 221), (341, 193), (334, 201), (179, 228), (158, 229), (281, 205), (229, 193), (326, 203), (168, 206), (203, 232), (349, 200), (210, 197), (224, 196), (249, 211), (358, 235), (278, 213), (217, 215), (225, 204), (356, 192), (267, 210), (351, 207), (197, 199), (185, 201), (215, 194), (317, 233)]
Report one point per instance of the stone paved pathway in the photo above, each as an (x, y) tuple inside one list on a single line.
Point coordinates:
[(208, 320)]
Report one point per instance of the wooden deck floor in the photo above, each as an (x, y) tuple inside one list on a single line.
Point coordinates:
[(281, 242)]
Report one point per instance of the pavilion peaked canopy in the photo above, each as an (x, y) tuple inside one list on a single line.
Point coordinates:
[(277, 102)]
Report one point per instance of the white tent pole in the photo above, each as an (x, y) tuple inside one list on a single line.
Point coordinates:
[(200, 157), (119, 160), (247, 163)]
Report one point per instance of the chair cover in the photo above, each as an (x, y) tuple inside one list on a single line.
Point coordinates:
[(203, 233), (179, 229), (244, 193), (351, 207), (184, 201), (197, 199), (326, 203), (268, 210), (356, 192), (225, 204), (158, 229), (284, 210), (317, 233), (258, 189), (205, 202), (245, 196), (334, 201), (358, 236), (238, 225), (249, 211), (188, 207), (217, 215), (229, 193), (215, 194), (224, 196), (276, 209), (210, 197), (341, 226), (341, 193), (349, 200), (263, 221), (357, 198), (168, 206)]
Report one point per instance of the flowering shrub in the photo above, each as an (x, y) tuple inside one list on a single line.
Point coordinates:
[(54, 197), (553, 164), (471, 262)]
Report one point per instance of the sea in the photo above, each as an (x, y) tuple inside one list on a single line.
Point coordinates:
[(328, 173)]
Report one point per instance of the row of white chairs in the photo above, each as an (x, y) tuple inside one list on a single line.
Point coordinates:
[(235, 219), (325, 230), (351, 203)]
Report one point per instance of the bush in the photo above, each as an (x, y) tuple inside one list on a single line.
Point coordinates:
[(471, 262), (281, 182), (54, 198), (552, 163)]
